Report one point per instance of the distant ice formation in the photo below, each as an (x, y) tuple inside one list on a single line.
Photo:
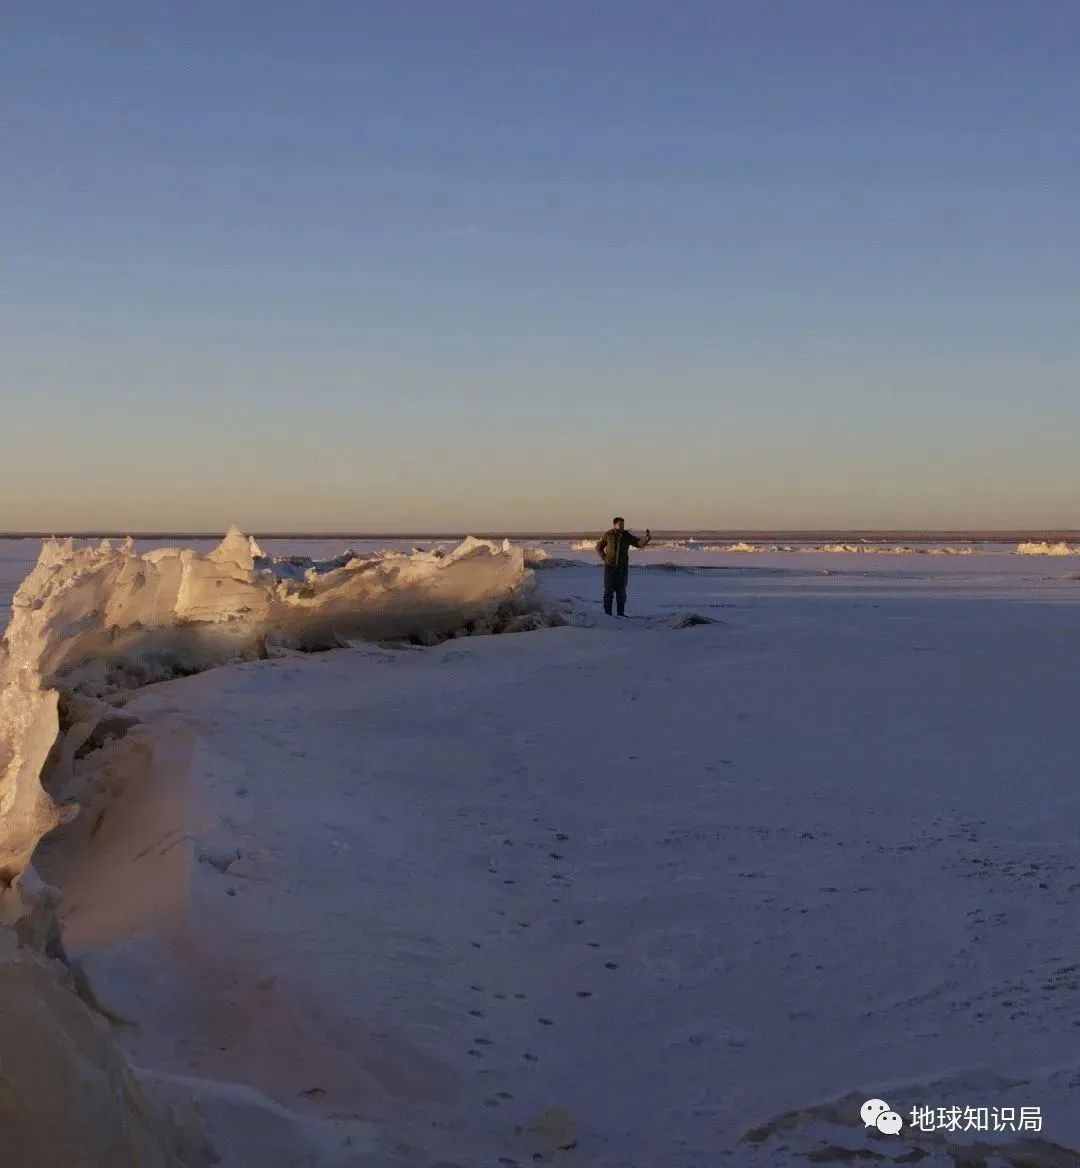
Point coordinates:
[(870, 549), (98, 618), (1046, 549), (748, 547), (743, 547)]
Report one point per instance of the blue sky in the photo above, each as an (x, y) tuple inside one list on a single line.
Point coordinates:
[(519, 266)]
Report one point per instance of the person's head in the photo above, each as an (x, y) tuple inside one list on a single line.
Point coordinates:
[(618, 522)]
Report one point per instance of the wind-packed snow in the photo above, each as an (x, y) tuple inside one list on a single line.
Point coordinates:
[(69, 1096)]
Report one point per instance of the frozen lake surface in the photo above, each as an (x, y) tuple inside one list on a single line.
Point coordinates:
[(617, 893)]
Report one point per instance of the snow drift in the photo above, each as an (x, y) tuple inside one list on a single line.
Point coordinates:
[(70, 1096), (94, 619)]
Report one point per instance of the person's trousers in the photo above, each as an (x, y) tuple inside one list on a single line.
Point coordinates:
[(615, 587)]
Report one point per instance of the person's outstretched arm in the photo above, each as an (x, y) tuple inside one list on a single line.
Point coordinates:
[(633, 540)]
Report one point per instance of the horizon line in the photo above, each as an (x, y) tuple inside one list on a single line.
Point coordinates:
[(977, 534)]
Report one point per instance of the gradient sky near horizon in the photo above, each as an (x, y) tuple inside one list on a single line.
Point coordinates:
[(507, 265)]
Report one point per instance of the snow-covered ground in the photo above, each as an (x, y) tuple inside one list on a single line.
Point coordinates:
[(615, 893)]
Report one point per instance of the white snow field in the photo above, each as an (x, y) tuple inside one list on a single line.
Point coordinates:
[(624, 894)]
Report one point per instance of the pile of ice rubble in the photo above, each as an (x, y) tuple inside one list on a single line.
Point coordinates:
[(1042, 548), (90, 621), (97, 619)]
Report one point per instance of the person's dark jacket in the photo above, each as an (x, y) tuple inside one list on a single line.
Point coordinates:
[(613, 547)]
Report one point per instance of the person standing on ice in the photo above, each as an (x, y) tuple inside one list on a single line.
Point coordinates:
[(613, 547)]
